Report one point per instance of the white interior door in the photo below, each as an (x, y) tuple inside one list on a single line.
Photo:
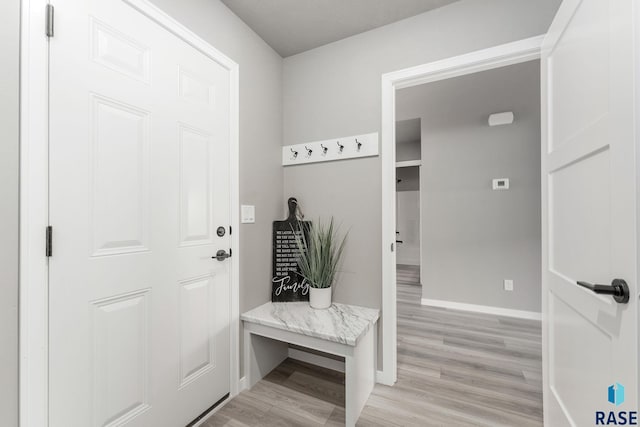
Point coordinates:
[(589, 210), (139, 183), (408, 227)]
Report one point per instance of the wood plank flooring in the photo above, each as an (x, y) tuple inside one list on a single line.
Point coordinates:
[(455, 368)]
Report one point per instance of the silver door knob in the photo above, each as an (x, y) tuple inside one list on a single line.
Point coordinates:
[(221, 255)]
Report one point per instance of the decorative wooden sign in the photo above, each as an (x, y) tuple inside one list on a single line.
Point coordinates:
[(287, 283)]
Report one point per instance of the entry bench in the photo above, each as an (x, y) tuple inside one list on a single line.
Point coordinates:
[(344, 330)]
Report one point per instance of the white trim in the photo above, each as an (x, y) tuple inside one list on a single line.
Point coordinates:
[(161, 18), (234, 188), (34, 321), (34, 217), (469, 63), (408, 163), (498, 311), (316, 359), (481, 60), (242, 384)]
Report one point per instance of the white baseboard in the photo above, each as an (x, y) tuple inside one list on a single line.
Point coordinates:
[(383, 378), (499, 311), (316, 359), (242, 384), (408, 261)]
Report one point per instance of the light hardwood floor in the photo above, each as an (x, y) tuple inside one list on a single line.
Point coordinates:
[(455, 368)]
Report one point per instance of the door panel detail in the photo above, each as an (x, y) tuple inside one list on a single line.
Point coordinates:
[(196, 329), (195, 186), (119, 177), (196, 89), (121, 336), (119, 52)]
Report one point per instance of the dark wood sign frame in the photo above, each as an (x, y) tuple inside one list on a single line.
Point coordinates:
[(288, 285)]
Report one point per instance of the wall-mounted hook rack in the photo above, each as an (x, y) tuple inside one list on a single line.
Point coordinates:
[(350, 147)]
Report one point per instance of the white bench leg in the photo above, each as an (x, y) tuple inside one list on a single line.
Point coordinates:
[(360, 372), (261, 356)]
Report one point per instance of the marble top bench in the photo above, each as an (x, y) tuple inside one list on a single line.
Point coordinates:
[(344, 330), (341, 323)]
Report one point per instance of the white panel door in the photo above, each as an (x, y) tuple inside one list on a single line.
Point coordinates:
[(139, 183), (589, 210), (408, 227)]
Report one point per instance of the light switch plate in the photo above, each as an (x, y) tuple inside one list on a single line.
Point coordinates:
[(508, 284), (247, 214)]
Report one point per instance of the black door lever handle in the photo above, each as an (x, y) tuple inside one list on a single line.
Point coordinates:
[(618, 289)]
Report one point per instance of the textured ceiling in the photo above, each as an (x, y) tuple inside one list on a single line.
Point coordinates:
[(294, 26)]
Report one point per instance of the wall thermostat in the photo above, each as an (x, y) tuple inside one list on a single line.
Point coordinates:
[(501, 184)]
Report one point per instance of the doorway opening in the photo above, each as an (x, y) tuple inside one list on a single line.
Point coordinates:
[(474, 62), (478, 189), (408, 229), (476, 204)]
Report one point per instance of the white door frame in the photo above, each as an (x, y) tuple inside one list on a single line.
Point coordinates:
[(481, 60), (34, 206)]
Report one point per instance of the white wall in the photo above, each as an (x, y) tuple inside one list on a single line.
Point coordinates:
[(472, 236), (335, 90), (9, 108)]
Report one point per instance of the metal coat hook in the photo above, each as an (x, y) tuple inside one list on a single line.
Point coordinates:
[(336, 148)]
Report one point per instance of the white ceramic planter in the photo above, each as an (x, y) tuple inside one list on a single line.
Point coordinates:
[(320, 298)]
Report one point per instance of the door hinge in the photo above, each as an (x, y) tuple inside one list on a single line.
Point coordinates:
[(230, 230), (49, 241), (49, 22)]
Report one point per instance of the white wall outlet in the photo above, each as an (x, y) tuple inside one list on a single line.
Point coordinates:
[(500, 184), (508, 284), (499, 119), (247, 214)]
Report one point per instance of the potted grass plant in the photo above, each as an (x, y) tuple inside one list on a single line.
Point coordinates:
[(320, 249)]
